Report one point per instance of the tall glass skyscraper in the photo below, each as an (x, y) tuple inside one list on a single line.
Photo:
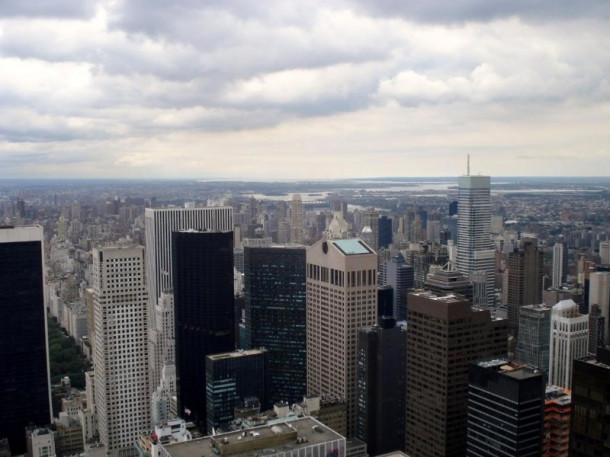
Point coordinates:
[(202, 274), (274, 279), (24, 374), (476, 256)]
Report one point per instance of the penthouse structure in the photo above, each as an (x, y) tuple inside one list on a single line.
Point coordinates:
[(341, 298)]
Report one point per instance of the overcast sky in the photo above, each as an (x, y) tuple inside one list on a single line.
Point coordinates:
[(259, 89)]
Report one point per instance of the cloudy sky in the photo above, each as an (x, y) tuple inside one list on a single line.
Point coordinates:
[(282, 89)]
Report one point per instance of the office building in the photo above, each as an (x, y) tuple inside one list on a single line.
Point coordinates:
[(370, 218), (40, 442), (599, 294), (560, 264), (232, 379), (296, 219), (448, 281), (505, 409), (533, 346), (341, 298), (202, 270), (25, 396), (275, 317), (290, 438), (597, 329), (524, 279), (120, 361), (475, 255), (437, 367), (590, 425), (162, 339), (381, 386), (557, 412), (385, 232), (159, 225), (400, 276), (569, 341), (604, 252)]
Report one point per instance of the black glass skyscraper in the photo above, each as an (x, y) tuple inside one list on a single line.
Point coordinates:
[(274, 279), (202, 269), (24, 376)]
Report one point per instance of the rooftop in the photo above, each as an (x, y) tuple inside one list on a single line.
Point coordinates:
[(511, 369), (236, 354), (352, 246), (266, 440)]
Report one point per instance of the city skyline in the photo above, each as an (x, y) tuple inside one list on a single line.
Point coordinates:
[(104, 89)]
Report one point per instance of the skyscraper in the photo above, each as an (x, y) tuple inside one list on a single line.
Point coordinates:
[(476, 256), (448, 281), (274, 281), (159, 224), (560, 264), (444, 335), (604, 252), (341, 298), (599, 294), (590, 424), (524, 279), (202, 270), (382, 386), (25, 393), (533, 347), (400, 276), (569, 341), (120, 362), (505, 409), (296, 220)]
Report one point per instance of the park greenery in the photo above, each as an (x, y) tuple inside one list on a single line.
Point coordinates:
[(65, 357)]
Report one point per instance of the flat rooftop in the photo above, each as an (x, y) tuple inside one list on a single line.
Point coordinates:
[(236, 354), (266, 440), (352, 246), (511, 369)]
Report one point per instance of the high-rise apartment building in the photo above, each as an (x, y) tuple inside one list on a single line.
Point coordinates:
[(560, 264), (202, 270), (534, 342), (341, 298), (159, 224), (524, 279), (25, 393), (274, 279), (569, 341), (120, 362), (444, 335), (505, 409), (476, 256), (382, 386), (590, 425), (296, 219)]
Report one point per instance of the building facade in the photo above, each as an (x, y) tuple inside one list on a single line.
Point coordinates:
[(202, 270), (25, 395), (475, 255), (120, 361), (505, 409), (341, 298), (382, 386), (533, 346), (274, 279), (445, 334), (569, 341)]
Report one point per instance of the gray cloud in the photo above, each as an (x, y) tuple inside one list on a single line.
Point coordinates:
[(67, 9)]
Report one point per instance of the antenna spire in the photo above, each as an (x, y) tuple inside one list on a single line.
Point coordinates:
[(468, 166)]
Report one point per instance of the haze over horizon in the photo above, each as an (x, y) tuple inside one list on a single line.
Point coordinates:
[(283, 90)]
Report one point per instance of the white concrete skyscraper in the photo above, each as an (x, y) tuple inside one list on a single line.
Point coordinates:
[(475, 253), (569, 341), (559, 264), (160, 223), (120, 361), (341, 298)]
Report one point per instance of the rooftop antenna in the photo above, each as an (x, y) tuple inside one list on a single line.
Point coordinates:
[(468, 166)]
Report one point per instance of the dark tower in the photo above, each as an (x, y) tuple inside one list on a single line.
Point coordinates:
[(202, 270), (382, 386), (274, 279), (524, 279), (24, 375), (385, 232)]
